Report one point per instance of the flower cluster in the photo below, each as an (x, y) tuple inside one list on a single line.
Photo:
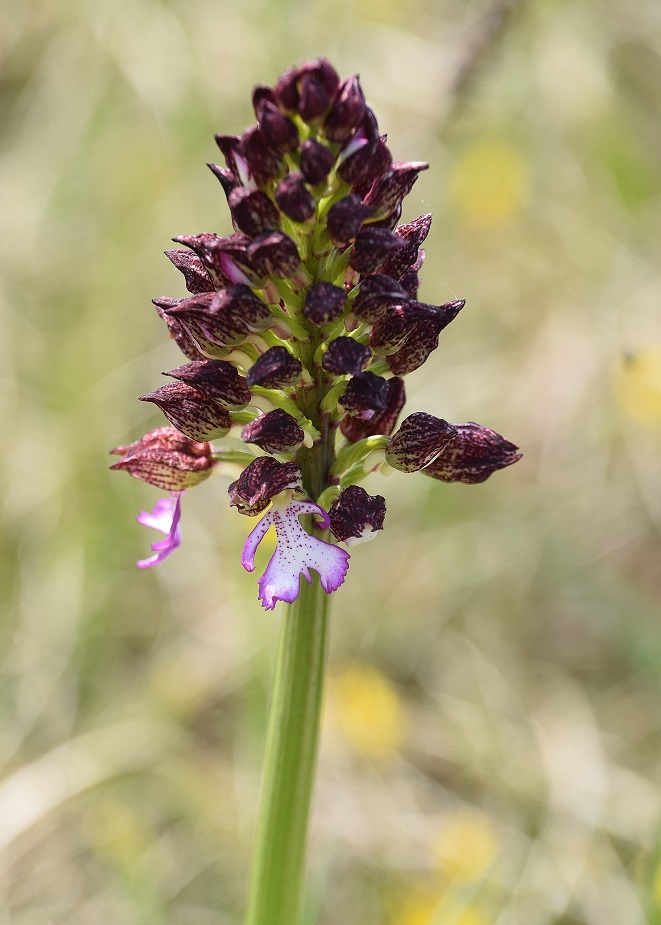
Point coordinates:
[(298, 330)]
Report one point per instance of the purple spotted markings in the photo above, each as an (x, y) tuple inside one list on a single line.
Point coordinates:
[(298, 330)]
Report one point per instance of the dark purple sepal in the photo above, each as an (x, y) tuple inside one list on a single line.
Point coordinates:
[(166, 459), (365, 393), (275, 432), (178, 331), (196, 276), (382, 422), (472, 455), (206, 246), (372, 248), (217, 380), (324, 72), (422, 337), (274, 369), (274, 254), (316, 161), (356, 516), (286, 89), (419, 440), (392, 186), (346, 356), (294, 198), (313, 97), (361, 158), (412, 234), (260, 481), (376, 295), (190, 411), (262, 93), (347, 111), (277, 128), (252, 211), (345, 219), (324, 303), (410, 281), (230, 146), (227, 179), (263, 161)]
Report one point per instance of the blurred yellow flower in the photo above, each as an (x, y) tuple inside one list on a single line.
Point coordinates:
[(465, 847), (368, 710), (637, 385), (489, 183), (656, 886), (115, 833), (424, 906)]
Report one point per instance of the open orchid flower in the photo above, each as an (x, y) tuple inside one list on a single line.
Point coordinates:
[(299, 329), (166, 518), (296, 552)]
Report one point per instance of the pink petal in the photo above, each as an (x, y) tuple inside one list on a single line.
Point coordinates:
[(166, 518)]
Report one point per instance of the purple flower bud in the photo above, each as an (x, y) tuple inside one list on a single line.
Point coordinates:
[(166, 459), (365, 155), (178, 331), (316, 161), (345, 219), (274, 254), (216, 380), (356, 516), (410, 332), (324, 303), (263, 161), (262, 94), (206, 248), (227, 179), (419, 440), (252, 211), (277, 128), (192, 318), (347, 111), (190, 411), (276, 432), (371, 249), (382, 422), (410, 281), (230, 146), (412, 234), (286, 89), (324, 72), (346, 356), (294, 198), (364, 394), (222, 318), (313, 99), (260, 481), (376, 295), (472, 455), (391, 187), (275, 369), (196, 277)]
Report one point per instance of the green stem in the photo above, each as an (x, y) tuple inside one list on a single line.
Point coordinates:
[(276, 884)]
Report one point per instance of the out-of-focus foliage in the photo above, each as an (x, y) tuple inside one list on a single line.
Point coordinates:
[(491, 753)]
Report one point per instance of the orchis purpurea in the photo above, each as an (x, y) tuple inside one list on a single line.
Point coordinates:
[(298, 329)]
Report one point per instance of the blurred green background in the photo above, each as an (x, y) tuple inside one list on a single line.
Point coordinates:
[(491, 751)]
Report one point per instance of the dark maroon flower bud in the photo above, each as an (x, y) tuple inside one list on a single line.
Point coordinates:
[(274, 254), (206, 248), (252, 211), (263, 161), (262, 94), (472, 455), (178, 331), (324, 72), (166, 459), (356, 516), (286, 89), (230, 146), (217, 380), (190, 411), (382, 422), (227, 179), (194, 319), (294, 198), (277, 128), (275, 369), (364, 394), (347, 110), (412, 234), (410, 332), (390, 221), (410, 281), (231, 254), (276, 432), (197, 278), (419, 440), (239, 307), (316, 161), (260, 481), (376, 295), (346, 356), (345, 218), (223, 318), (391, 187), (371, 248), (313, 98), (324, 303)]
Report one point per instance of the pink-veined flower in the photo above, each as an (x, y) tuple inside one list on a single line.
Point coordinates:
[(166, 518)]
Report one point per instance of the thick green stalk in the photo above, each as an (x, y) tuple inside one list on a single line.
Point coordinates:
[(276, 884)]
